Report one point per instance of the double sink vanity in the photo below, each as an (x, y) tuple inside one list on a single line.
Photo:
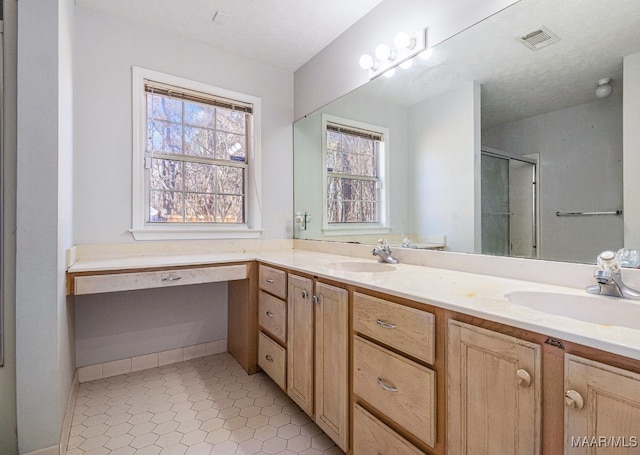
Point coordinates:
[(414, 359)]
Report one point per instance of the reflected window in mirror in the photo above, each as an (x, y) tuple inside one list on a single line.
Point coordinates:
[(355, 175)]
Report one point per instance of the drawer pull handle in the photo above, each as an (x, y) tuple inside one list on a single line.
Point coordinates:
[(388, 388), (385, 325), (269, 280), (523, 378), (269, 358), (171, 278), (573, 399), (269, 313)]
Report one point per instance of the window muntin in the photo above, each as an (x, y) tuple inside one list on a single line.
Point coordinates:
[(195, 156), (353, 175)]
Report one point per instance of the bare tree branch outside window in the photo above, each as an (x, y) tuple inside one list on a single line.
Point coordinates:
[(352, 176), (197, 161)]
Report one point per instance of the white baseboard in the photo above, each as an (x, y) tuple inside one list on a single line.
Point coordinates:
[(53, 450), (147, 361), (68, 415)]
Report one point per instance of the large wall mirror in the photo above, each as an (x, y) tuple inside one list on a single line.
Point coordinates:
[(507, 140)]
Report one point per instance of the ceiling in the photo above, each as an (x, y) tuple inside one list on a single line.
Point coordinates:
[(280, 33), (518, 82)]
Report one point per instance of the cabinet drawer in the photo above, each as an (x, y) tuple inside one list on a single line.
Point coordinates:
[(370, 436), (95, 284), (272, 358), (400, 388), (273, 315), (273, 281), (403, 328)]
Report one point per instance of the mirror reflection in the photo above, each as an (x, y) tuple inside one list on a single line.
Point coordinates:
[(508, 140)]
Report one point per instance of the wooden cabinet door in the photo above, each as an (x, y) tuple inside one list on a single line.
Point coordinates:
[(602, 412), (493, 393), (300, 342), (332, 363)]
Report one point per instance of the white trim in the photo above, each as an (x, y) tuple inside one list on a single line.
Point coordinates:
[(53, 450), (128, 365), (68, 415), (140, 229), (199, 233), (355, 230), (382, 227)]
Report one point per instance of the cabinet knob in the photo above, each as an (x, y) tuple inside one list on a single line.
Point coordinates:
[(269, 280), (573, 399), (305, 294), (315, 299), (523, 378), (269, 313), (269, 358)]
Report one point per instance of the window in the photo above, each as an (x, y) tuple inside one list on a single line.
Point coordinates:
[(355, 176), (195, 160)]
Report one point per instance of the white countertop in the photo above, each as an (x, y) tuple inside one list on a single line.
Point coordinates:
[(476, 295)]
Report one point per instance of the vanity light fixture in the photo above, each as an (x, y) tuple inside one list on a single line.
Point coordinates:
[(367, 62), (426, 54), (404, 41), (384, 52), (387, 58), (406, 64), (604, 88)]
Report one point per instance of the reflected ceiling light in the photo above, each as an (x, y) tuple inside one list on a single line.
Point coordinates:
[(367, 62), (426, 54), (406, 64), (390, 72), (386, 58), (604, 88)]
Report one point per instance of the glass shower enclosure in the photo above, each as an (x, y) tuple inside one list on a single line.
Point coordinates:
[(508, 204)]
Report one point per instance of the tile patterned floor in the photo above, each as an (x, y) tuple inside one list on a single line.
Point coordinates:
[(206, 406)]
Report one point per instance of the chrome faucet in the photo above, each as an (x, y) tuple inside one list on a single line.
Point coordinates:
[(610, 283), (384, 252), (609, 279)]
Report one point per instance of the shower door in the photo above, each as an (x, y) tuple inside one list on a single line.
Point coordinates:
[(508, 219)]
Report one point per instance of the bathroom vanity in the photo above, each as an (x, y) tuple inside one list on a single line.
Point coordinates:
[(410, 359)]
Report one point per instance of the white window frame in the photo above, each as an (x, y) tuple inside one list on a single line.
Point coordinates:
[(382, 226), (142, 229)]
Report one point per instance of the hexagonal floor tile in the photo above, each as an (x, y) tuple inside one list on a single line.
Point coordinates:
[(207, 405)]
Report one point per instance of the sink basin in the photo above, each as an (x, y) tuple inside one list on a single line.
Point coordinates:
[(587, 308), (369, 267)]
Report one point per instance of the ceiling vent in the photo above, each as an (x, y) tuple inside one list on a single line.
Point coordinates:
[(538, 38)]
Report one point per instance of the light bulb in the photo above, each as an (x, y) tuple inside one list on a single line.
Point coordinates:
[(604, 88), (424, 55), (367, 62), (383, 52), (406, 64), (404, 41), (390, 72)]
